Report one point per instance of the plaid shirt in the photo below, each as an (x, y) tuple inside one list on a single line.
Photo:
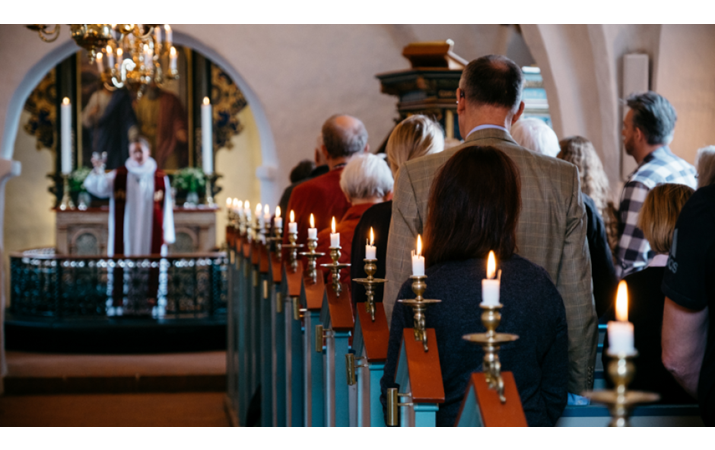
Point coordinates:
[(661, 166)]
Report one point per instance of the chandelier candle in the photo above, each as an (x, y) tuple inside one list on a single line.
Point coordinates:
[(66, 133), (312, 231), (370, 249), (172, 59), (292, 226), (620, 331), (110, 57), (207, 138), (418, 261), (491, 285), (334, 237), (100, 63), (169, 35)]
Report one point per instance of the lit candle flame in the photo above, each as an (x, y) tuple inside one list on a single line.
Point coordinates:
[(109, 49), (146, 48), (99, 57), (372, 237), (167, 27), (120, 52), (491, 265), (238, 204), (278, 211), (266, 209), (248, 205), (258, 208), (206, 101), (172, 52), (333, 224), (292, 216), (622, 302), (228, 202), (66, 101), (312, 221), (419, 245)]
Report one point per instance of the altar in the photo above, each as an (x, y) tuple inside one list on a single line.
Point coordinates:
[(84, 233)]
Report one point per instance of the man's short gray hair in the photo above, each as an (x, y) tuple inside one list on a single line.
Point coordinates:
[(654, 116), (366, 176), (705, 163), (344, 136), (535, 135)]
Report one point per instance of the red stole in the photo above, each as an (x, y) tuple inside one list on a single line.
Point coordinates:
[(157, 231)]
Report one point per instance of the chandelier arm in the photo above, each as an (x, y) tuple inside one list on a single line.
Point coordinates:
[(49, 36), (114, 87)]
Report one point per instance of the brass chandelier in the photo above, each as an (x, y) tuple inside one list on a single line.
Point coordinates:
[(127, 55)]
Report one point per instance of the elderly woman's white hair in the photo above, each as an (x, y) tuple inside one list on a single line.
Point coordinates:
[(705, 163), (535, 135), (366, 176)]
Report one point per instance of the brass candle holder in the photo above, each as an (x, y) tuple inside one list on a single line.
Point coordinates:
[(293, 247), (370, 282), (620, 401), (66, 202), (491, 341), (419, 306), (258, 230), (278, 240), (335, 268), (312, 256)]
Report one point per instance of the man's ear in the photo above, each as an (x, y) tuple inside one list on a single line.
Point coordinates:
[(367, 148), (461, 102), (518, 113)]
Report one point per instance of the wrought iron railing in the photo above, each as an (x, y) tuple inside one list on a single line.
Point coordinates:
[(44, 284)]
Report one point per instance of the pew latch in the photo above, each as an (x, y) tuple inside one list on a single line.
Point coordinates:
[(298, 312), (350, 360), (392, 419)]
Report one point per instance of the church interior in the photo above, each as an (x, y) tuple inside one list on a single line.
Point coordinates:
[(148, 278)]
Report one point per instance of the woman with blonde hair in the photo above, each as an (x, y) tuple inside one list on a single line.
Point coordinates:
[(594, 191), (412, 138), (657, 219)]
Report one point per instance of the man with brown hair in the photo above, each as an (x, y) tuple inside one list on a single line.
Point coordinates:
[(551, 231)]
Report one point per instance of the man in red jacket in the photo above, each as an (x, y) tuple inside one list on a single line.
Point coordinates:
[(343, 137)]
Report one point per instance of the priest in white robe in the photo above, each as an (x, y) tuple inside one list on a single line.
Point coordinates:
[(141, 216)]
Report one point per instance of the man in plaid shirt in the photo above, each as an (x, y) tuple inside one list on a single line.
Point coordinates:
[(647, 131)]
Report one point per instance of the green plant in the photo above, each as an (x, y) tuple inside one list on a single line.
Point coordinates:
[(77, 178), (189, 180)]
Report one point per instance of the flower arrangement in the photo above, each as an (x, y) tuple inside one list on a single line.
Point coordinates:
[(189, 179), (77, 178)]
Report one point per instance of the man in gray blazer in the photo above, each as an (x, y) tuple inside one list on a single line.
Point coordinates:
[(552, 226)]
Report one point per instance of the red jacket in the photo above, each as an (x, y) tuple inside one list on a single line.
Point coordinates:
[(320, 196), (346, 228)]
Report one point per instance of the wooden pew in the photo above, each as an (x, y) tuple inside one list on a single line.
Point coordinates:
[(642, 416), (244, 341), (338, 324), (252, 322), (232, 344), (293, 331), (481, 406), (419, 375), (370, 345), (278, 340), (313, 378), (265, 338)]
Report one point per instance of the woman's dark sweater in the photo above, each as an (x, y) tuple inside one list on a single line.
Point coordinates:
[(603, 272), (533, 309), (378, 218), (645, 312)]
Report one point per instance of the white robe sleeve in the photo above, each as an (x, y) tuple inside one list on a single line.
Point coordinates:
[(100, 184), (169, 232)]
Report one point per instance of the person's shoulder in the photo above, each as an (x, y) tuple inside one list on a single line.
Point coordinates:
[(702, 202), (526, 267), (317, 183)]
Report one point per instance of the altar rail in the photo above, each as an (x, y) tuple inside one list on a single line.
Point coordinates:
[(45, 284)]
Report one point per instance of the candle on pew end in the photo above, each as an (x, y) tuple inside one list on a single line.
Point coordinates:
[(620, 331), (292, 226), (418, 261), (312, 231), (491, 285), (334, 237), (370, 249), (278, 221)]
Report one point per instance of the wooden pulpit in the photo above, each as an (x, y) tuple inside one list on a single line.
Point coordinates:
[(293, 331), (482, 407), (370, 346), (313, 381), (338, 323), (419, 375)]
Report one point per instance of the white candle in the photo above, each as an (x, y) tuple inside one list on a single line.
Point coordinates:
[(66, 133), (247, 210), (172, 58), (110, 57), (370, 249), (207, 138), (147, 56), (312, 231), (620, 331), (266, 214), (418, 261), (292, 226), (120, 56), (157, 35), (169, 35), (100, 64), (259, 219), (238, 207), (278, 221), (334, 237), (491, 285)]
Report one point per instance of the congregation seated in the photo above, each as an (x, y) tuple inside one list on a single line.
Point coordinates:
[(298, 175), (474, 208), (705, 166), (646, 300), (535, 135), (343, 137), (416, 136), (594, 191), (365, 181)]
